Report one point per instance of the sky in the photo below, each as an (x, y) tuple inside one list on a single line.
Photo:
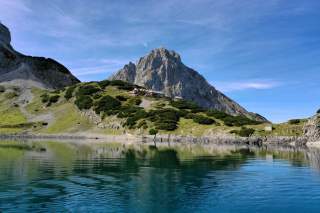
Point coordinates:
[(263, 54)]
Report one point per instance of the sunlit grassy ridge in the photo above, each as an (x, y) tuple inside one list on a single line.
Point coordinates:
[(111, 107)]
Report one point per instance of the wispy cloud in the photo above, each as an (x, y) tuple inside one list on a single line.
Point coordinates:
[(246, 85), (106, 66)]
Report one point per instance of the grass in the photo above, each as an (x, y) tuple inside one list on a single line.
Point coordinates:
[(67, 120)]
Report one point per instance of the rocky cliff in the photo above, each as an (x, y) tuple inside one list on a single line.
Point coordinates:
[(312, 128), (162, 70), (43, 71)]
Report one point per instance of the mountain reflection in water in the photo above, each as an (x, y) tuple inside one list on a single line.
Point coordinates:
[(113, 177)]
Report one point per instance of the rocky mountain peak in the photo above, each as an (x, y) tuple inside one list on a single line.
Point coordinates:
[(162, 70), (15, 66), (5, 35), (159, 57)]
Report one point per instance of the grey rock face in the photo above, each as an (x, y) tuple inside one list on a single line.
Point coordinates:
[(312, 128), (16, 66), (162, 70)]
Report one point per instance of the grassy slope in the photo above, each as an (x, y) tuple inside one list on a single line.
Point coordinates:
[(9, 114), (68, 119)]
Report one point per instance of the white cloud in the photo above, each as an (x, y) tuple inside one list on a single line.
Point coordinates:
[(246, 85)]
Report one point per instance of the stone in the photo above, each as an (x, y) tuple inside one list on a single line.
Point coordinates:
[(43, 72), (162, 70)]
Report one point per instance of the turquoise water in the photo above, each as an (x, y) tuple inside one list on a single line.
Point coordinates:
[(75, 177)]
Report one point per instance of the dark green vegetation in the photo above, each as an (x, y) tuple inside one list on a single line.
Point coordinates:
[(163, 116), (243, 132), (49, 99), (294, 121)]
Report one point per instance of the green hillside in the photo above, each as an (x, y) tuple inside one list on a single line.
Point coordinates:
[(117, 107)]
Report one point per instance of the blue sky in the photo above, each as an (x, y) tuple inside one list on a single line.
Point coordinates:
[(263, 54)]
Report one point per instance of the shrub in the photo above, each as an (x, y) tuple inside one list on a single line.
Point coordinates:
[(54, 99), (183, 113), (243, 132), (84, 102), (190, 116), (10, 95), (142, 124), (153, 131), (44, 98), (135, 101), (97, 96), (88, 90), (294, 121), (106, 103), (238, 121), (2, 89), (103, 84), (123, 85), (121, 98), (131, 122), (217, 114), (166, 125), (203, 120), (318, 111), (165, 119), (69, 92), (184, 104), (246, 132)]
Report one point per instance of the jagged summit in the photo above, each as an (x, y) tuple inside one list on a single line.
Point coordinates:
[(162, 70), (5, 36), (15, 66)]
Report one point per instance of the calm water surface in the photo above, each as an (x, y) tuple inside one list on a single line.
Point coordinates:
[(75, 177)]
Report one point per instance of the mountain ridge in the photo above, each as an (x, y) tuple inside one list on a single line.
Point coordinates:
[(44, 72), (163, 70)]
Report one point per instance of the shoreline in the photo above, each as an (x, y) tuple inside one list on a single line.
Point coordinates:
[(178, 139)]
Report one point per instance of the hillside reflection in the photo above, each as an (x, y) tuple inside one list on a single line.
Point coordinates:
[(127, 173)]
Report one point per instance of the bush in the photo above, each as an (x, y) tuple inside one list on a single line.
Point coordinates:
[(190, 116), (69, 92), (10, 95), (246, 132), (142, 124), (97, 96), (135, 101), (131, 122), (2, 89), (104, 84), (203, 120), (294, 121), (106, 103), (88, 90), (184, 104), (217, 114), (44, 98), (165, 119), (122, 85), (238, 121), (243, 132), (153, 131), (318, 111), (54, 99), (121, 98), (84, 102)]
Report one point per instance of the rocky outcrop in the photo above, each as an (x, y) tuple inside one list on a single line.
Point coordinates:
[(162, 70), (312, 128), (16, 66)]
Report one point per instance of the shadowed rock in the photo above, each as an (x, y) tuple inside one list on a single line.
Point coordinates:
[(162, 70), (43, 71)]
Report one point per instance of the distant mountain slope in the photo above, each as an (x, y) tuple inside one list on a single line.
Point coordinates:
[(43, 71), (162, 70)]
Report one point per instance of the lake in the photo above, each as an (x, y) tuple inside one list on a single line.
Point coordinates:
[(115, 177)]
